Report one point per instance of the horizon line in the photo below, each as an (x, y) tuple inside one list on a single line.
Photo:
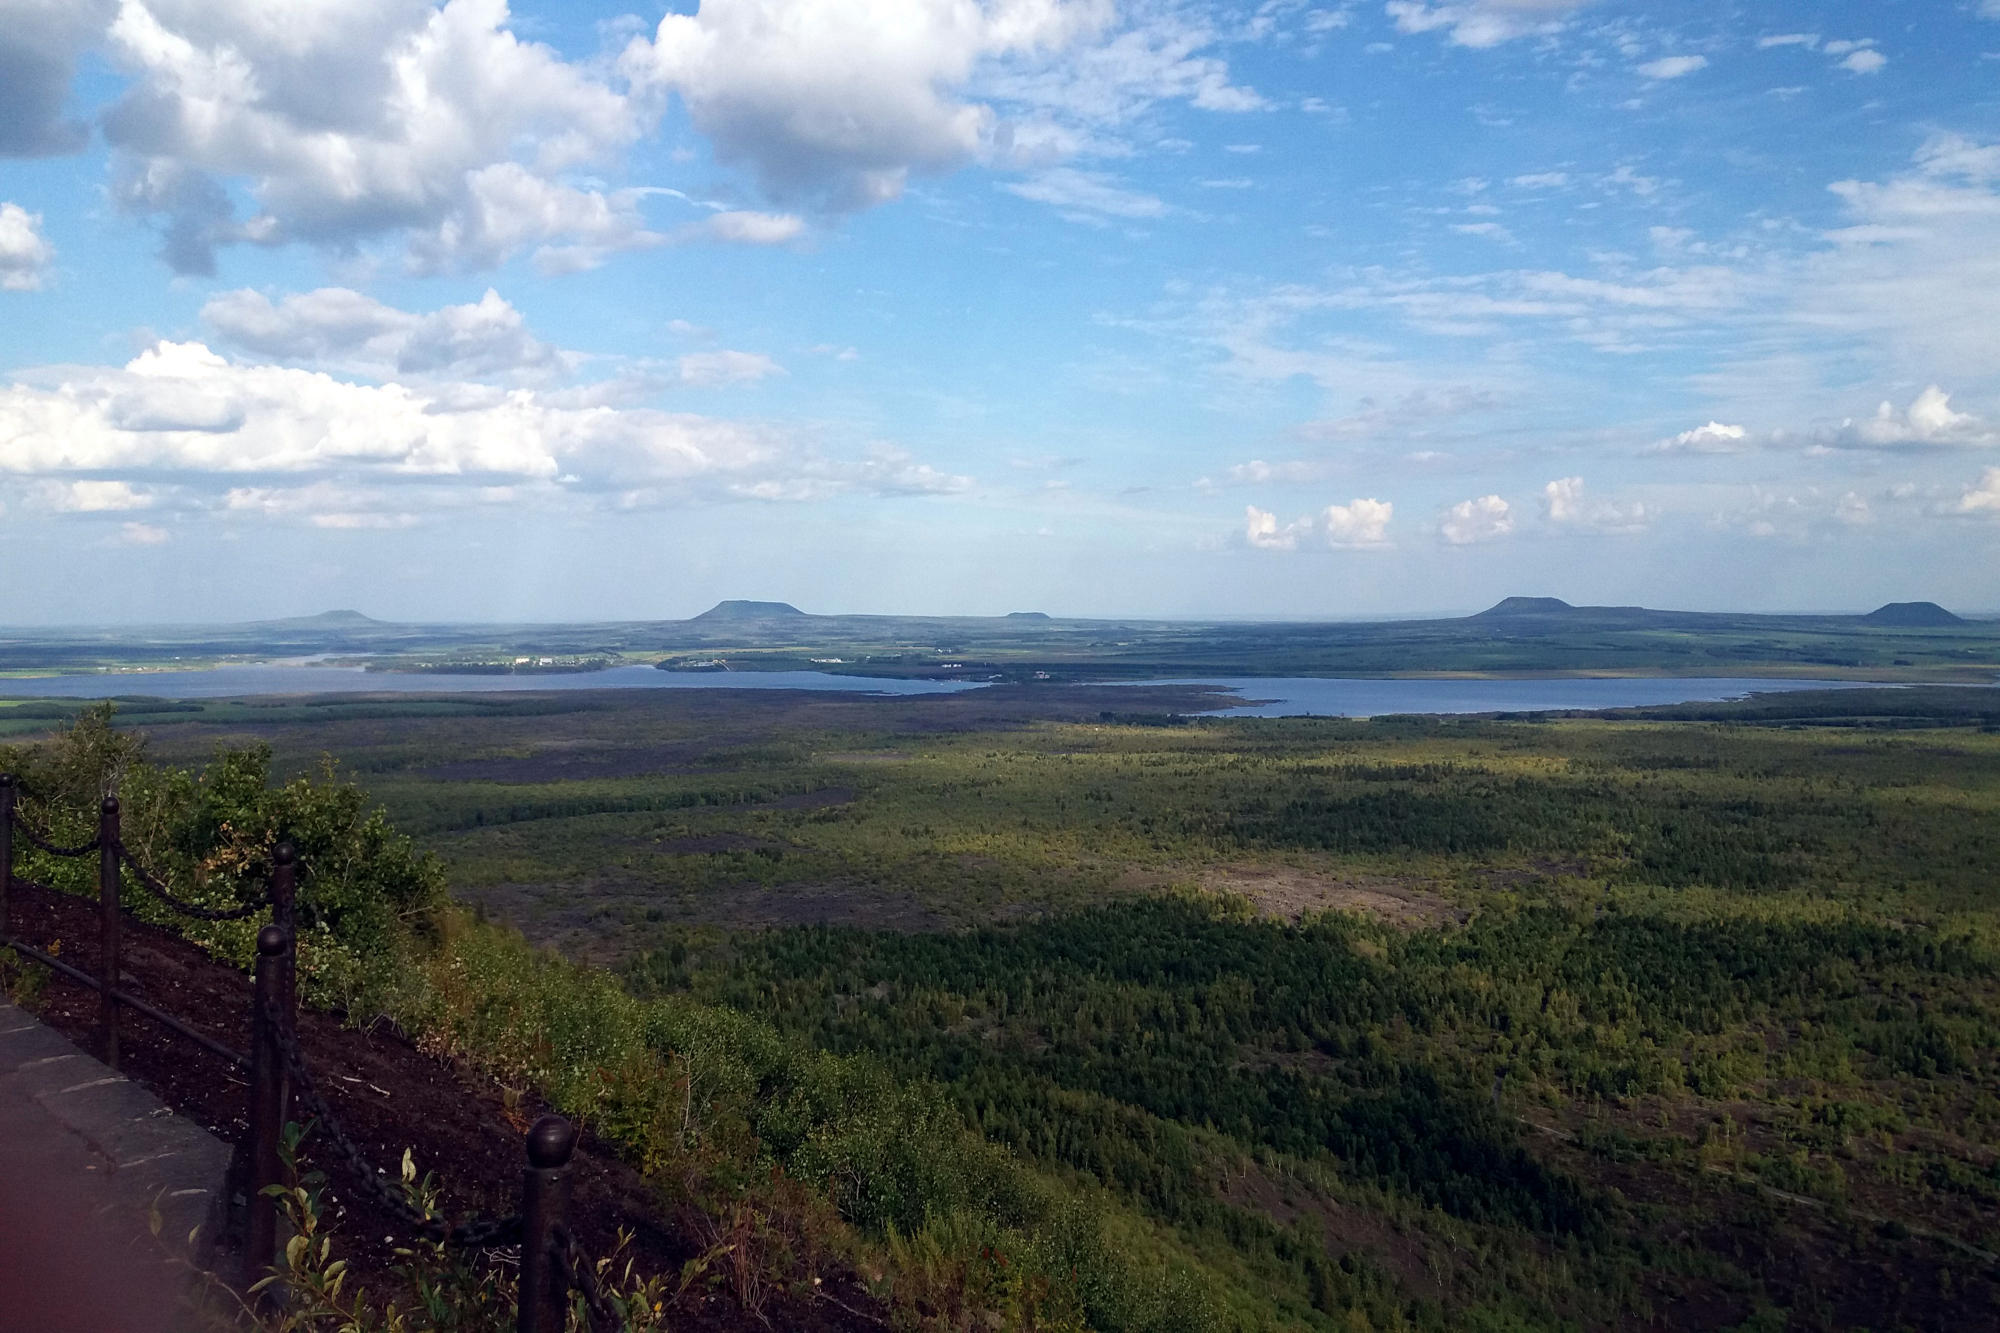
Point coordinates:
[(1391, 617)]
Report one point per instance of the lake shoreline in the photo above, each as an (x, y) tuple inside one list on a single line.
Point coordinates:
[(1234, 696)]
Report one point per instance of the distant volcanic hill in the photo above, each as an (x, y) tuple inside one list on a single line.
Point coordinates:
[(331, 618), (328, 621), (1896, 615), (752, 611), (1915, 615), (1525, 606)]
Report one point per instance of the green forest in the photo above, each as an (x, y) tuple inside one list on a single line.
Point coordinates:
[(1673, 1020)]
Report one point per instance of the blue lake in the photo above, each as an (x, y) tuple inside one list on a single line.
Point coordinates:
[(1263, 696), (1319, 697)]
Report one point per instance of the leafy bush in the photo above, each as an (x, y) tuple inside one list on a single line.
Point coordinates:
[(366, 896)]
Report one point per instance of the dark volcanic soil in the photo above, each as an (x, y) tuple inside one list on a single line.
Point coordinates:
[(389, 1096)]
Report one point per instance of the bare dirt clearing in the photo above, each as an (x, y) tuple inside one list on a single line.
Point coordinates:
[(1281, 891)]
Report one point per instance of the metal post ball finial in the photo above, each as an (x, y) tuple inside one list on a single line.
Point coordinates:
[(111, 805), (6, 779), (550, 1142), (271, 940), (284, 854)]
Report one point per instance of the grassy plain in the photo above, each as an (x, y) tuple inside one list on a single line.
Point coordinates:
[(1680, 1019)]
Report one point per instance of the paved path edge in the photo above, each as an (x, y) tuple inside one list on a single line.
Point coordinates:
[(154, 1160)]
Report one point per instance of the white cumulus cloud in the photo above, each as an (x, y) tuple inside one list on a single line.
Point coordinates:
[(1564, 496), (1982, 497), (350, 120), (335, 328), (1569, 507), (1487, 518), (1714, 438), (1361, 524), (432, 129), (1358, 524), (92, 497), (1928, 423), (25, 254), (182, 412), (1865, 61), (454, 352), (834, 104), (1262, 530)]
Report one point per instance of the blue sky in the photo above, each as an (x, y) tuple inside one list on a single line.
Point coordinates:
[(942, 306)]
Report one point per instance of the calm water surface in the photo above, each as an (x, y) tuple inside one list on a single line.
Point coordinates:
[(1262, 696)]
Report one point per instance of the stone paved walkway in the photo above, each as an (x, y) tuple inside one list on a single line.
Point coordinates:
[(85, 1157)]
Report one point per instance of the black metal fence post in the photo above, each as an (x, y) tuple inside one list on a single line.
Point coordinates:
[(544, 1213), (7, 790), (107, 928), (284, 886), (267, 1101)]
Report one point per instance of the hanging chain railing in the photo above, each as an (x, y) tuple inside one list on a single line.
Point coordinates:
[(278, 1073), (43, 844), (154, 885)]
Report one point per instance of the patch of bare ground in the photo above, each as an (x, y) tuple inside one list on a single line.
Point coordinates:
[(1288, 893)]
